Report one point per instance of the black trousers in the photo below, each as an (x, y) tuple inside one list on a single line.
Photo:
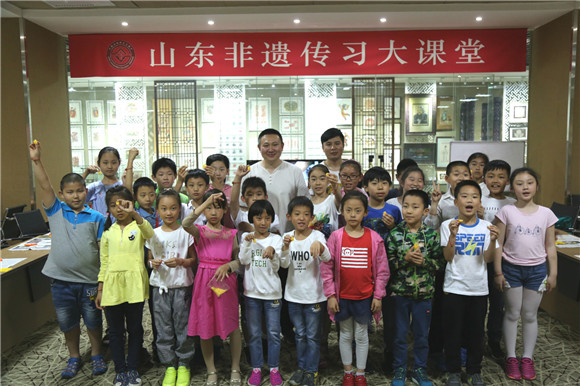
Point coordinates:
[(464, 318), (436, 336)]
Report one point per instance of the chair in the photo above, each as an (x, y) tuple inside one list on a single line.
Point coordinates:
[(561, 210), (9, 226), (31, 224)]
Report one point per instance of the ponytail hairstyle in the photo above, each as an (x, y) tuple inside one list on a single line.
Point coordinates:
[(117, 191), (170, 193)]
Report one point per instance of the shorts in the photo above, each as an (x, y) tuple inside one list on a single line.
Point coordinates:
[(530, 277), (360, 310), (73, 300)]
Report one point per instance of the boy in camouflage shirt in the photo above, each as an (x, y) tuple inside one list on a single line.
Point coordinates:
[(415, 254)]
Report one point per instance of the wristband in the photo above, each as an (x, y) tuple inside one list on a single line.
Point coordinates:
[(99, 290), (38, 159), (128, 168), (235, 182), (499, 274)]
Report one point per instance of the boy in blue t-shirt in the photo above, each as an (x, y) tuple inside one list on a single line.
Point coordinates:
[(73, 262)]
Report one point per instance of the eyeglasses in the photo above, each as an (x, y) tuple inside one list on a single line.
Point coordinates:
[(348, 178)]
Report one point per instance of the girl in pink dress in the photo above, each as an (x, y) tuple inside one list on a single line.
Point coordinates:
[(212, 314)]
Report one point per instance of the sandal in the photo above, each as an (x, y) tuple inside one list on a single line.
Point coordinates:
[(235, 381), (211, 383), (72, 368), (99, 365)]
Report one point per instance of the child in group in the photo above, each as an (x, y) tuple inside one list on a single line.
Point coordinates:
[(354, 281), (165, 175), (196, 184), (468, 244), (172, 256), (401, 167), (260, 254), (123, 281), (253, 189), (496, 177), (350, 176), (381, 216), (326, 204), (217, 167), (415, 254), (108, 162), (303, 251), (73, 262), (527, 240), (212, 312), (477, 162), (412, 178)]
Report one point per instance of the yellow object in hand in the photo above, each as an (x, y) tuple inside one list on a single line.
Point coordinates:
[(460, 221), (219, 291), (327, 174), (248, 167), (254, 240), (35, 142), (291, 238), (416, 246), (118, 202), (204, 166)]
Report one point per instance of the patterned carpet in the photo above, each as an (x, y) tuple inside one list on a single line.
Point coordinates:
[(40, 358)]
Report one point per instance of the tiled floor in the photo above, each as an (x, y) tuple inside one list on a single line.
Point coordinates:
[(40, 359)]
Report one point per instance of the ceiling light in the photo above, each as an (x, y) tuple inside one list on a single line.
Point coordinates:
[(273, 85), (383, 19), (124, 23), (482, 95), (210, 22), (479, 18), (440, 83), (459, 76), (296, 21)]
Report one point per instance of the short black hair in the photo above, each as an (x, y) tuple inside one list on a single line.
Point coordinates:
[(418, 193), (164, 163), (478, 155), (143, 181), (497, 164), (318, 166), (404, 164), (331, 133), (259, 207), (169, 193), (254, 182), (465, 183), (531, 172), (353, 163), (270, 131), (108, 149), (454, 164), (376, 173), (218, 157), (222, 204), (71, 178), (300, 201), (196, 173), (356, 195)]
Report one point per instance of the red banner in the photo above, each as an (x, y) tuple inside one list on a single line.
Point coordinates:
[(299, 53)]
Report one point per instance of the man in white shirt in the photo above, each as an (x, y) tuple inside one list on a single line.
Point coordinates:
[(333, 146)]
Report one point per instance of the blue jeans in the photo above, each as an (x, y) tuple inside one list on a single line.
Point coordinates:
[(307, 321), (73, 300), (271, 310), (421, 311)]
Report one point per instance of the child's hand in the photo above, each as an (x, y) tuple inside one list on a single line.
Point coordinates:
[(333, 304), (388, 220), (435, 194), (34, 149), (215, 198), (480, 212), (550, 283), (174, 262), (333, 180), (242, 170), (500, 282), (454, 227), (287, 240), (93, 169), (376, 305), (210, 171), (269, 253), (98, 300), (156, 263), (493, 232), (249, 237), (223, 272), (316, 249), (125, 205), (182, 172), (133, 153), (414, 256)]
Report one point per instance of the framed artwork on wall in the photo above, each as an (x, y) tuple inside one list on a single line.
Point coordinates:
[(111, 113), (519, 112), (259, 114), (420, 114), (422, 153), (291, 125), (443, 151), (96, 112), (75, 112), (518, 133), (291, 106), (441, 176), (347, 132), (445, 113), (97, 136), (207, 110), (344, 111), (369, 123), (76, 137), (294, 144)]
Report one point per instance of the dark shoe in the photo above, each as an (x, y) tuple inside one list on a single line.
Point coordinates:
[(399, 377), (99, 365), (420, 377), (310, 379), (296, 378), (454, 379), (475, 380)]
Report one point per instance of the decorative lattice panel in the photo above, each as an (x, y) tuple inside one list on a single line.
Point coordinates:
[(230, 107), (420, 87), (320, 90), (514, 93), (131, 108)]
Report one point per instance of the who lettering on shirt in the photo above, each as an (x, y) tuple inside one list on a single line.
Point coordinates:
[(354, 258), (300, 260)]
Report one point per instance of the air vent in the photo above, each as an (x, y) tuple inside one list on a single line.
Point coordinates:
[(79, 4)]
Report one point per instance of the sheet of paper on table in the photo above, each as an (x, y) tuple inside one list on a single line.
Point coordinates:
[(7, 264), (567, 241), (39, 243)]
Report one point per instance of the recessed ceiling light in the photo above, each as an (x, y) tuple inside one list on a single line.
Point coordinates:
[(210, 22), (479, 18), (273, 85), (124, 23), (383, 19), (296, 21), (459, 76)]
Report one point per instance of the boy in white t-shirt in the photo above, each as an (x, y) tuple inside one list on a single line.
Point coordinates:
[(496, 176), (302, 252), (469, 243)]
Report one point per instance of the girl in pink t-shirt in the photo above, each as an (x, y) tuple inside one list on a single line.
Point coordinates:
[(527, 239)]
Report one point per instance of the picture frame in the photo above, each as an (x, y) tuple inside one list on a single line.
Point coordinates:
[(347, 132), (422, 153), (97, 136), (291, 125), (420, 114), (443, 151), (78, 159), (207, 110), (441, 176), (388, 137), (518, 112), (344, 111), (291, 106), (76, 137), (369, 122), (518, 133), (445, 113), (95, 112), (393, 113), (294, 144), (368, 104), (369, 142), (111, 113), (259, 114), (75, 112)]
